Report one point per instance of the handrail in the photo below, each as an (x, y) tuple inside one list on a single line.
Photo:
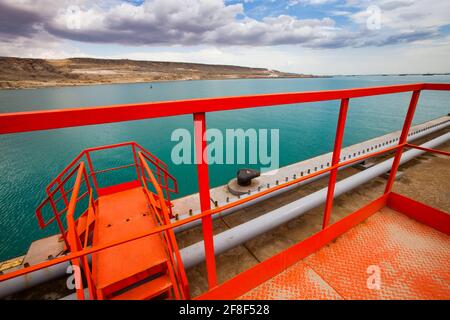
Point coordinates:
[(72, 231), (58, 183), (42, 223), (79, 117), (190, 219), (75, 244), (167, 176), (94, 149), (187, 220), (441, 152), (64, 118), (170, 237)]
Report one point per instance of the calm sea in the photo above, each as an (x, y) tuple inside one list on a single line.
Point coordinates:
[(28, 161)]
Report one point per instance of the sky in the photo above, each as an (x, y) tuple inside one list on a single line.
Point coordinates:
[(303, 36)]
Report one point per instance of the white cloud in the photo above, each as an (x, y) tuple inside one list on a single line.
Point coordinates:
[(388, 59), (310, 2), (43, 46), (213, 31), (188, 22), (213, 22), (406, 14)]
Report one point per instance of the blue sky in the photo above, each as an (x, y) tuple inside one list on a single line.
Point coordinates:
[(305, 36), (259, 9)]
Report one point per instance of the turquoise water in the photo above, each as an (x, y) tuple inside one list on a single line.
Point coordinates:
[(28, 161)]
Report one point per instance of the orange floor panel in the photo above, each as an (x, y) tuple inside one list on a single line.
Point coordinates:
[(388, 256), (299, 282), (120, 216)]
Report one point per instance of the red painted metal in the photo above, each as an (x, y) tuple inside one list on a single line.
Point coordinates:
[(72, 234), (118, 187), (63, 118), (444, 153), (403, 137), (179, 275), (41, 120), (303, 251), (102, 283), (203, 186), (427, 215), (184, 221), (335, 160), (219, 209), (251, 278), (58, 184), (91, 168), (436, 86)]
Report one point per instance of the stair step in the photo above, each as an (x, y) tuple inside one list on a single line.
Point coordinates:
[(147, 290)]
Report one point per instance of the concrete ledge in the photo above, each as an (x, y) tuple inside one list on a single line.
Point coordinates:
[(221, 195)]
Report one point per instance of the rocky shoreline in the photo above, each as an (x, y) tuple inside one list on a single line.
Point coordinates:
[(21, 73)]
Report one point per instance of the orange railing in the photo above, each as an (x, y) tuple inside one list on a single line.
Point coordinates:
[(159, 207), (42, 120), (74, 238), (60, 187)]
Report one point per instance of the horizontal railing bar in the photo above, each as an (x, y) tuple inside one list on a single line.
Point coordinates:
[(57, 189), (52, 193), (164, 170), (63, 118), (60, 197), (82, 196), (112, 169), (56, 215), (65, 170), (59, 213), (149, 154), (178, 223), (436, 86), (445, 153), (57, 184), (111, 146), (63, 195), (162, 186)]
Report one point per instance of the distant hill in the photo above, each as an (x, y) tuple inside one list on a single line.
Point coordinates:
[(18, 73)]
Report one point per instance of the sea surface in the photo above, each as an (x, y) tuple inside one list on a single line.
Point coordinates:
[(29, 161)]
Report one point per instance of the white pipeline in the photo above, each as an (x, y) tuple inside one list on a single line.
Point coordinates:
[(194, 254), (226, 240), (224, 213)]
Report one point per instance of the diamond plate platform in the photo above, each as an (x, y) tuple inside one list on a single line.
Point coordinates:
[(406, 259)]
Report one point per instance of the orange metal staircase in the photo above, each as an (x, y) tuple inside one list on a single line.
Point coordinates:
[(141, 260), (147, 268)]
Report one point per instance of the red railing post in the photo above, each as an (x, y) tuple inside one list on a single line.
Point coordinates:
[(335, 160), (63, 192), (74, 240), (203, 186), (58, 221), (133, 147), (403, 138), (91, 168)]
